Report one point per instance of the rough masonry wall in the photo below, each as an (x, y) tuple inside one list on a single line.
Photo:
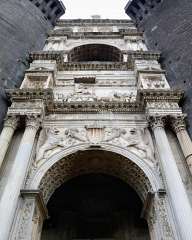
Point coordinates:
[(23, 29), (167, 26)]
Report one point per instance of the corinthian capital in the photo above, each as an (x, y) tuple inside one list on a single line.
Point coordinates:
[(178, 123), (33, 121), (157, 121), (11, 121)]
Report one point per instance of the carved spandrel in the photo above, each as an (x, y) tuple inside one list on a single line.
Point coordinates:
[(135, 140)]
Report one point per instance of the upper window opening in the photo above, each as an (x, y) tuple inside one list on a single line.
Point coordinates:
[(95, 52)]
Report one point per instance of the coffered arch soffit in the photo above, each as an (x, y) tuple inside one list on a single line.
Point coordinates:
[(81, 159)]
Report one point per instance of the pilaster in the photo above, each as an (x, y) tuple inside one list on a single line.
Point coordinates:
[(31, 216)]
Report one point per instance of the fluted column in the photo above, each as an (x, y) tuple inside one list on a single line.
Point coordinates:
[(175, 188), (11, 192), (179, 127), (10, 125)]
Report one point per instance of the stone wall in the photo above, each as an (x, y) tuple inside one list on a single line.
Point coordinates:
[(167, 27), (24, 27)]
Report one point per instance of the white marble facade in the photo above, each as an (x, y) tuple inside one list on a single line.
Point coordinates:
[(124, 107)]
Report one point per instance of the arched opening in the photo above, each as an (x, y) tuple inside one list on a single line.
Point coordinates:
[(95, 53), (95, 206), (106, 169)]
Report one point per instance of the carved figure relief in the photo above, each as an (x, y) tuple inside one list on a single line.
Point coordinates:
[(81, 93), (53, 140), (155, 81), (137, 140), (49, 139), (130, 97)]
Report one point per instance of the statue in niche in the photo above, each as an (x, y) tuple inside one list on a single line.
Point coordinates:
[(49, 139)]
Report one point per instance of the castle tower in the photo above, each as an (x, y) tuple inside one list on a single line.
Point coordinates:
[(167, 28), (95, 145), (24, 27)]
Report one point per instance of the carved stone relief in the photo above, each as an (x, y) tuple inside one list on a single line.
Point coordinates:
[(25, 219), (153, 81), (158, 219), (53, 140)]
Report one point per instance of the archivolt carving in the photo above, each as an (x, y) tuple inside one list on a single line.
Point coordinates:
[(94, 161)]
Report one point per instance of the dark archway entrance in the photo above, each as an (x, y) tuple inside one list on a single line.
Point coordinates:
[(95, 206), (95, 53)]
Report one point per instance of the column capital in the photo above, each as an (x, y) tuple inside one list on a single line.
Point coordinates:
[(157, 121), (11, 121), (178, 122), (33, 121)]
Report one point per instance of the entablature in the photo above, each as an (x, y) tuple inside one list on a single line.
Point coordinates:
[(142, 102), (83, 66), (58, 56)]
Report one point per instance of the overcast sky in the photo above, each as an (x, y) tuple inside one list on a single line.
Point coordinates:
[(87, 8)]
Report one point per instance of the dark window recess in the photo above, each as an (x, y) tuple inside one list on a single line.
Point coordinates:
[(58, 11), (43, 10), (54, 4), (85, 80), (37, 4)]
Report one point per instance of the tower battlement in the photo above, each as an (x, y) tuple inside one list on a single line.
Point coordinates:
[(24, 27), (52, 9), (167, 28), (139, 9)]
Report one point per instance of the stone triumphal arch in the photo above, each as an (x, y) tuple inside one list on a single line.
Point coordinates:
[(94, 133)]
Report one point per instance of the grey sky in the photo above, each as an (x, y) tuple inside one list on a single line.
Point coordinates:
[(86, 8)]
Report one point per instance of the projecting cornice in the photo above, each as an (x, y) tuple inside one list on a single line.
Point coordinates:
[(47, 55), (107, 66), (59, 58), (97, 105), (160, 95), (29, 94)]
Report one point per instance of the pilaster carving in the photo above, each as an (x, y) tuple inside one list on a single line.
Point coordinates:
[(26, 216), (161, 209), (33, 210)]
